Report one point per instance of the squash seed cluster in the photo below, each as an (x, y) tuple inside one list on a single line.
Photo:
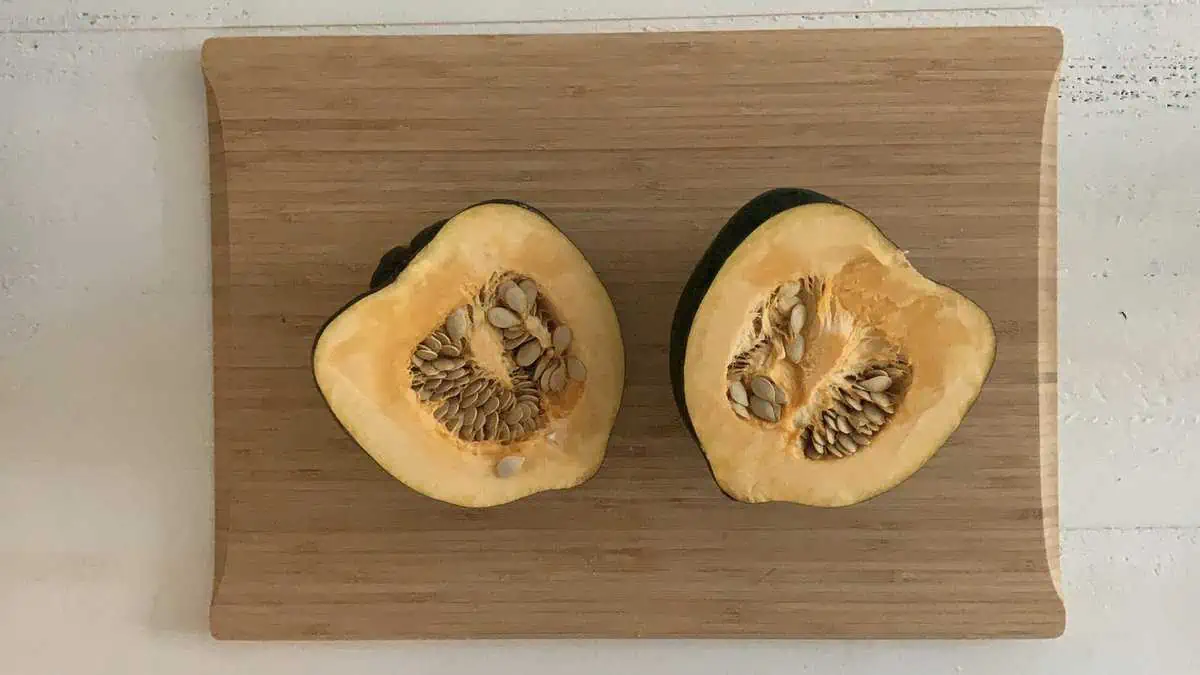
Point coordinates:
[(471, 402), (835, 422)]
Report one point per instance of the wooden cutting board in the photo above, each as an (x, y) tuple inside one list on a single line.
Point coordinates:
[(328, 151)]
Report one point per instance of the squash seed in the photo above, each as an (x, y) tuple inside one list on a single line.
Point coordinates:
[(798, 316), (763, 388), (879, 383), (509, 466), (502, 318), (741, 410), (843, 425), (852, 402), (874, 413), (516, 414), (847, 444), (456, 374), (547, 374), (529, 287), (795, 349), (545, 362), (432, 343), (737, 393), (425, 352), (561, 338), (468, 415), (558, 381), (511, 344), (883, 401), (529, 353), (514, 297), (490, 406), (764, 409), (457, 324), (576, 370), (469, 400)]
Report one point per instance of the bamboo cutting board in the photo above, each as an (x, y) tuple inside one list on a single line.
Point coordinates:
[(327, 151)]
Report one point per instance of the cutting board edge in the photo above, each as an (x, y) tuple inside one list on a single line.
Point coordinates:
[(1048, 339)]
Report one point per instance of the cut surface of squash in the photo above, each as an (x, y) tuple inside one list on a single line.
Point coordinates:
[(813, 363), (485, 364)]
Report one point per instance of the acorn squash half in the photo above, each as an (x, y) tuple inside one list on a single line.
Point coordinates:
[(484, 365), (812, 362)]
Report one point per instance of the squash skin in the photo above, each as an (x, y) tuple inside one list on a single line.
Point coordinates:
[(750, 469), (396, 259), (747, 219)]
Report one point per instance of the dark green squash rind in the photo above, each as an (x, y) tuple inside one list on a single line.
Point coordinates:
[(392, 263), (747, 219)]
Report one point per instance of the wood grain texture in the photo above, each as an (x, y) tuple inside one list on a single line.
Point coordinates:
[(328, 151)]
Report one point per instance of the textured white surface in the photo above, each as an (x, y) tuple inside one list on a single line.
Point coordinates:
[(105, 448)]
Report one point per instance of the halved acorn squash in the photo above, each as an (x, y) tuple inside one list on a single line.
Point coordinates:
[(484, 365), (812, 362)]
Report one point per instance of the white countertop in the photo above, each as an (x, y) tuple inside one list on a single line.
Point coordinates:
[(105, 356)]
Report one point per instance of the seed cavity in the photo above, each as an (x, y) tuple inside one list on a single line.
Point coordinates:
[(477, 405), (834, 414)]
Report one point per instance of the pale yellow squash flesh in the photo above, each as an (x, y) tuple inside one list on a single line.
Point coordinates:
[(361, 362), (946, 338)]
